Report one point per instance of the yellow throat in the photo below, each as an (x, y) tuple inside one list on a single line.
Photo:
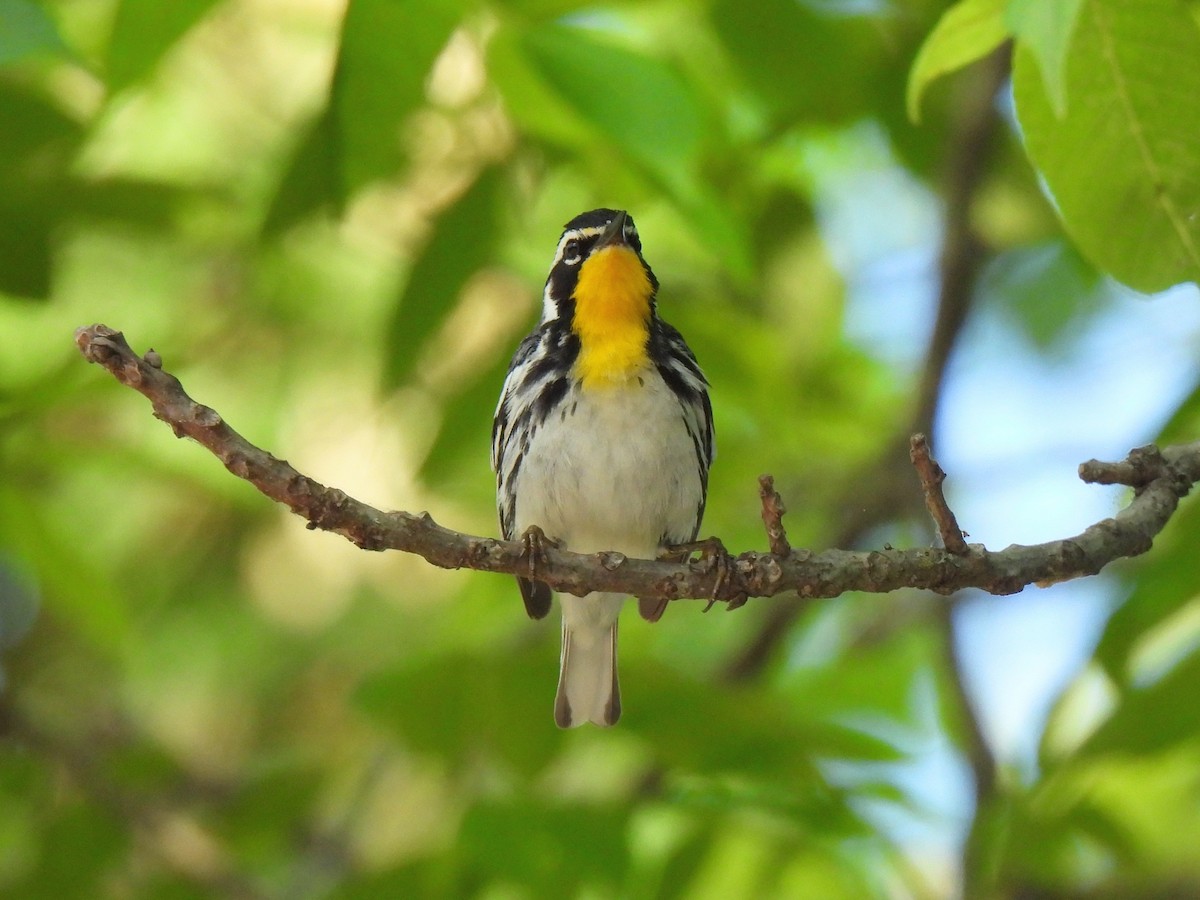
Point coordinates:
[(612, 316)]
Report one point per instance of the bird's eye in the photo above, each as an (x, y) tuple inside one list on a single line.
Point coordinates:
[(571, 252)]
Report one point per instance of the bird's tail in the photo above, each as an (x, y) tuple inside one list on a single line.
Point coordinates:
[(587, 677)]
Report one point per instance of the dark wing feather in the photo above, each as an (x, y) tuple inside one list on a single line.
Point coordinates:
[(535, 385), (536, 595)]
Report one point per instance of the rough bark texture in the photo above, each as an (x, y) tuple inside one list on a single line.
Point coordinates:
[(1160, 478)]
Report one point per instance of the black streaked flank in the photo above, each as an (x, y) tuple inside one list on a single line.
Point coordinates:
[(549, 397)]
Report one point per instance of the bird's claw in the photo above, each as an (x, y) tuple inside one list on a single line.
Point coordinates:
[(534, 543), (714, 557)]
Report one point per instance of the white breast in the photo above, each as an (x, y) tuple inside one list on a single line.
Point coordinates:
[(612, 468)]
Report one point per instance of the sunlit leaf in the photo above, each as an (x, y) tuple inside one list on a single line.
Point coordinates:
[(1045, 27), (637, 102), (144, 31), (967, 31), (378, 83), (464, 239), (537, 109), (1185, 420), (1159, 592), (358, 137), (1151, 719), (1122, 153)]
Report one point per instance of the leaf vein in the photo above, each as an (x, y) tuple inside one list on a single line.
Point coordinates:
[(1104, 28)]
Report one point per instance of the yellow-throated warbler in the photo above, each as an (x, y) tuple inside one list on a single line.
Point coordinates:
[(603, 438)]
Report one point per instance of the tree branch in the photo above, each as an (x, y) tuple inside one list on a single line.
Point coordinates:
[(751, 574)]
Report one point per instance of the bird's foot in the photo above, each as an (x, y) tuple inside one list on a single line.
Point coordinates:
[(534, 543), (713, 556)]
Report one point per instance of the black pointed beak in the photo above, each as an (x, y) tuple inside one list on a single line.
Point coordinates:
[(614, 232)]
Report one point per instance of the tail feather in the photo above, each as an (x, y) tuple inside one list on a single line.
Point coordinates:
[(588, 690)]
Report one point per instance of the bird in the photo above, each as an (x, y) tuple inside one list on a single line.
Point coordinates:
[(602, 441)]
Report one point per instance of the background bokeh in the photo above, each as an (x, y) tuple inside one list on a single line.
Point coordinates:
[(333, 221)]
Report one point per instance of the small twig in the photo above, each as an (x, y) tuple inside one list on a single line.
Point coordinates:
[(1142, 466), (932, 476), (772, 516)]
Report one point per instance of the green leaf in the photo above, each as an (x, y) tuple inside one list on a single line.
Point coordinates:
[(803, 63), (549, 848), (534, 105), (638, 102), (1184, 423), (1121, 163), (356, 139), (457, 706), (144, 31), (1161, 590), (1048, 288), (311, 180), (379, 81), (463, 440), (967, 31), (26, 30), (1046, 27), (147, 205), (758, 731), (419, 878), (1152, 719), (464, 239), (88, 835), (37, 142)]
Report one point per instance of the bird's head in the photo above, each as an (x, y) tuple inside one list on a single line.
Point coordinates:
[(598, 274)]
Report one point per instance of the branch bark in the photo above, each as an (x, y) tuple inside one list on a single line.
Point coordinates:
[(751, 574), (932, 476)]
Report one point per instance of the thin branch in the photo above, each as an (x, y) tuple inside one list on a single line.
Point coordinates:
[(975, 863), (751, 574), (932, 476), (1143, 466)]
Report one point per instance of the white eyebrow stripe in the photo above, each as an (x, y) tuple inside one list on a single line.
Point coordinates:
[(573, 235)]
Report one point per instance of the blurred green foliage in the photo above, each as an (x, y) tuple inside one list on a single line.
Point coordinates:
[(333, 221)]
